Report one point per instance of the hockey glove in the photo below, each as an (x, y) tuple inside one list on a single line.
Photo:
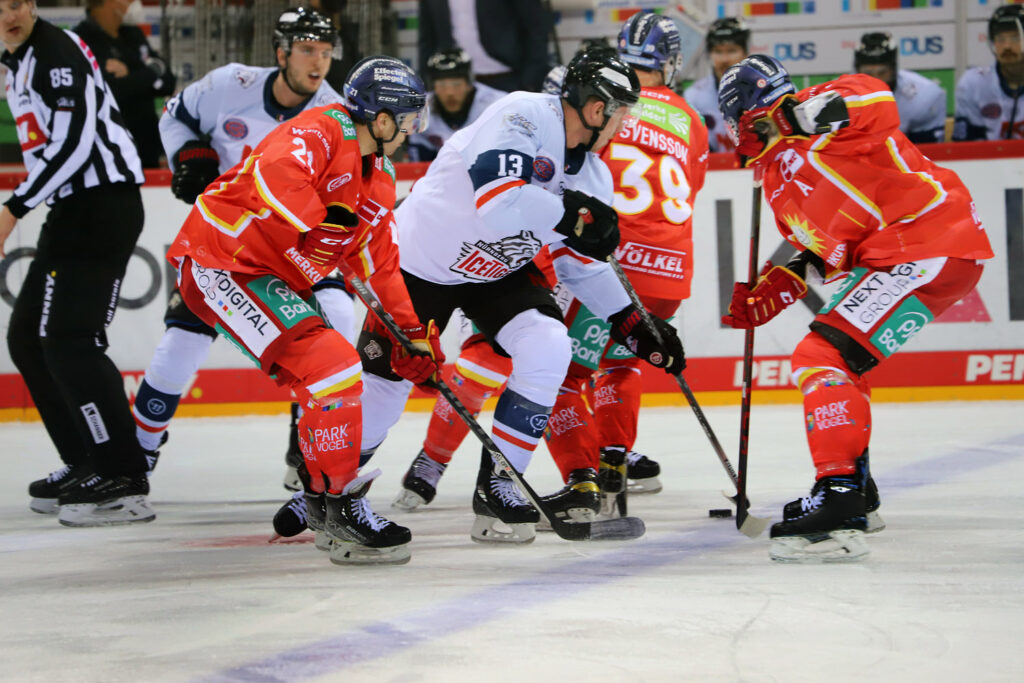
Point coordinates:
[(195, 167), (428, 359), (590, 226), (324, 244), (776, 288), (630, 330)]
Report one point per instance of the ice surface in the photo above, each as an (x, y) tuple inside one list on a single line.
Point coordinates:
[(199, 594)]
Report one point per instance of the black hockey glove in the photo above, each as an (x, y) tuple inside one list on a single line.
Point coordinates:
[(630, 330), (590, 226), (195, 167)]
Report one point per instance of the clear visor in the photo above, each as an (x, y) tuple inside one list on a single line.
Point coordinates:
[(413, 121)]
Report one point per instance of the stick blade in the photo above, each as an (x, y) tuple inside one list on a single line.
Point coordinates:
[(618, 529), (752, 526)]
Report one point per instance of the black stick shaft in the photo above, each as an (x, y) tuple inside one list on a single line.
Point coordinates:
[(748, 361)]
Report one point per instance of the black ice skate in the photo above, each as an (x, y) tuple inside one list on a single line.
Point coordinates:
[(830, 528), (642, 473), (154, 455), (498, 499), (293, 456), (578, 501), (316, 516), (612, 477), (795, 508), (103, 501), (358, 534), (290, 519), (45, 492), (419, 486)]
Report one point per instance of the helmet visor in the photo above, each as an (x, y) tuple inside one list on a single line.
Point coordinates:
[(413, 121)]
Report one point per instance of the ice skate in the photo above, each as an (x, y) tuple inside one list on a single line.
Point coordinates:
[(497, 500), (612, 479), (154, 455), (419, 486), (316, 515), (642, 473), (45, 492), (293, 456), (578, 501), (103, 501), (875, 523), (290, 519), (358, 534), (829, 529)]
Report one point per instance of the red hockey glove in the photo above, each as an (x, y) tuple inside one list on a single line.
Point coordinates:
[(426, 362), (630, 330), (324, 244), (776, 288)]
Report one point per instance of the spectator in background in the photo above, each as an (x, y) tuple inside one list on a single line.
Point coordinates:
[(456, 102), (135, 72), (990, 99), (727, 42), (506, 41), (921, 102)]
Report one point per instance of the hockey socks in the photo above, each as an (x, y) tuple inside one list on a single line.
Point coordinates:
[(153, 411), (518, 426), (329, 436), (617, 393), (838, 420), (473, 381), (571, 434)]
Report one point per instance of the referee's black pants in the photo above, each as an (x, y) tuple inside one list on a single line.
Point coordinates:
[(57, 334)]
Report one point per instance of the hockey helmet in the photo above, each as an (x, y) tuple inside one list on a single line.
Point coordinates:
[(1006, 18), (553, 81), (757, 81), (875, 48), (602, 74), (301, 24), (727, 30), (381, 83), (651, 41), (453, 63)]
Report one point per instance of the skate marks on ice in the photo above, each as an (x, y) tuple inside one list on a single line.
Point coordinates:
[(382, 640)]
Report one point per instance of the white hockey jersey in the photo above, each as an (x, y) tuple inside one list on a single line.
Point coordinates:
[(986, 109), (233, 105), (425, 146), (703, 96), (922, 106), (492, 198)]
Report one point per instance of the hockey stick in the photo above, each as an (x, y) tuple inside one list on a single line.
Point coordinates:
[(620, 529), (751, 526), (748, 361)]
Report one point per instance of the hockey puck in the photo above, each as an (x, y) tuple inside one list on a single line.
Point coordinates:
[(720, 512)]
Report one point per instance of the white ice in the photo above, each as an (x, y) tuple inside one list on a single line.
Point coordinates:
[(200, 595)]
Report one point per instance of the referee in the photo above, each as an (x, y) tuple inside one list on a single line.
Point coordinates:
[(82, 161)]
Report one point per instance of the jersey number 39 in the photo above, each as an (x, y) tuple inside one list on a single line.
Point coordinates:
[(634, 193)]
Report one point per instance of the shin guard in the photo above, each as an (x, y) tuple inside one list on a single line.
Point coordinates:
[(330, 430), (571, 434), (617, 393)]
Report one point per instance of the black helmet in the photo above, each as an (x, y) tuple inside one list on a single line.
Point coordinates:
[(453, 63), (728, 30), (875, 48), (602, 74), (300, 24), (1006, 18)]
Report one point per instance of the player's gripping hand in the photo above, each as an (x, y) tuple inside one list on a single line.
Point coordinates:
[(425, 363), (776, 288), (630, 330), (195, 167), (590, 226), (324, 244)]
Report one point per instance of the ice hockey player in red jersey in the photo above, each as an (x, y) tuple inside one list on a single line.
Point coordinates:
[(857, 199), (315, 194)]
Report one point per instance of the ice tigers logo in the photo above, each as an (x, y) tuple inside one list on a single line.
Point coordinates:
[(485, 261)]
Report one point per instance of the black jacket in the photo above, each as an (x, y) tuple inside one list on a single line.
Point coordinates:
[(136, 91)]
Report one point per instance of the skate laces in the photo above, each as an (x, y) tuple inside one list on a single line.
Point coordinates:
[(364, 514), (813, 501), (298, 505), (632, 457), (427, 469), (54, 477), (505, 490)]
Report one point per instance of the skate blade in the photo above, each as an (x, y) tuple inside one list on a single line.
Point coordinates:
[(608, 503), (44, 506), (408, 501), (349, 553), (845, 545), (644, 486), (127, 510), (489, 530), (323, 541), (570, 516), (291, 479), (875, 523)]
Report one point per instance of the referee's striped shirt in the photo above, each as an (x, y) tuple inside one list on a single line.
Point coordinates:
[(71, 132)]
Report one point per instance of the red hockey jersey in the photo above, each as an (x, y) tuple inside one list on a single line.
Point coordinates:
[(250, 220), (865, 195), (658, 163)]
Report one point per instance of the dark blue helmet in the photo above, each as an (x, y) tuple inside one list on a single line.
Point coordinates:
[(651, 41), (756, 81), (380, 83)]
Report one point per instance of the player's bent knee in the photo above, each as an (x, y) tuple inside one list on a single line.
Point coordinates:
[(541, 351)]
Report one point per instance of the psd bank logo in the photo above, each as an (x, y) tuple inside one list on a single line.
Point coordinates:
[(795, 51)]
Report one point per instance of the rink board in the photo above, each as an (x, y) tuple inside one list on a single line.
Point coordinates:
[(974, 351)]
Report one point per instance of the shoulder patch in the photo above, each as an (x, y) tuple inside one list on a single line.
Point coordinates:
[(389, 168), (347, 127)]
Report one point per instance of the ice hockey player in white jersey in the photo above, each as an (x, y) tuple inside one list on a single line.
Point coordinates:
[(206, 129), (727, 42), (990, 99), (498, 191), (920, 101), (457, 100)]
